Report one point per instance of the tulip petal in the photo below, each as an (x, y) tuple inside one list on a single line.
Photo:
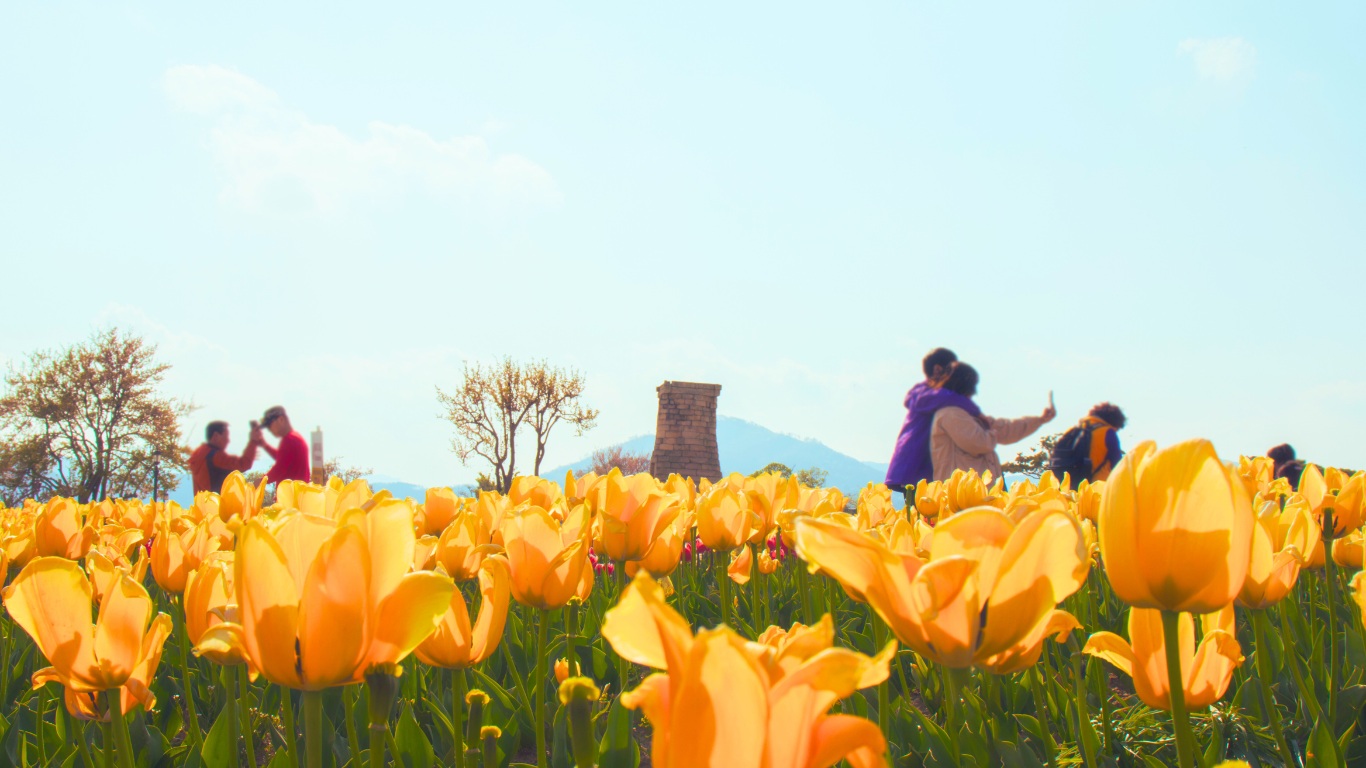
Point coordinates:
[(334, 627), (720, 708), (268, 605), (407, 617), (299, 537), (51, 599), (118, 631), (390, 538), (979, 534), (644, 630), (846, 737), (1044, 561)]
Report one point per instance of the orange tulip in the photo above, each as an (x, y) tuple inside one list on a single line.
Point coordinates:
[(1349, 507), (321, 602), (439, 510), (1282, 542), (634, 512), (1176, 528), (988, 595), (455, 644), (52, 600), (769, 494), (61, 530), (741, 565), (464, 544), (210, 599), (1206, 670), (180, 547), (238, 499), (549, 561), (724, 519), (1089, 495), (1332, 490), (721, 701), (1348, 550), (663, 556), (104, 568), (536, 491)]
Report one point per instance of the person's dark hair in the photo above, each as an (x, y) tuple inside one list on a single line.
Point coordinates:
[(1282, 453), (962, 379), (939, 357), (214, 428), (1291, 471), (1110, 414)]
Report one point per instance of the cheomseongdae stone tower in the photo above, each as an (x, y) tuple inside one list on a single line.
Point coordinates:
[(685, 434)]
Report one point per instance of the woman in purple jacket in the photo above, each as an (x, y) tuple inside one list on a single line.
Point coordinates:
[(911, 461)]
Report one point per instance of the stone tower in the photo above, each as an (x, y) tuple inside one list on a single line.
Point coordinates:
[(685, 434)]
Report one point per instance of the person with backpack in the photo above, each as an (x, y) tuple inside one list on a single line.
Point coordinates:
[(1090, 450), (210, 464)]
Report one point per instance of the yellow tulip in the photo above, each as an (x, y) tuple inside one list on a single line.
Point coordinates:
[(52, 600), (721, 701), (874, 506), (549, 561), (104, 568), (1089, 495), (321, 602), (464, 544), (1347, 551), (767, 564), (769, 494), (930, 500), (238, 499), (634, 512), (724, 519), (1176, 528), (988, 596), (663, 556), (61, 530), (180, 547), (455, 644), (210, 599), (1332, 490), (1349, 507), (439, 510), (536, 491), (1282, 542), (1257, 474), (1206, 670), (741, 565)]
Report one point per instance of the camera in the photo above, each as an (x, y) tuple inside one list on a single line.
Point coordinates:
[(255, 425)]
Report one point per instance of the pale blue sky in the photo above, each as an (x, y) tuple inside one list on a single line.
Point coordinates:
[(1159, 204)]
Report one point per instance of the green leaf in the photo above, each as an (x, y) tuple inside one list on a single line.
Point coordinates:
[(414, 751), (1322, 750), (218, 748), (618, 749)]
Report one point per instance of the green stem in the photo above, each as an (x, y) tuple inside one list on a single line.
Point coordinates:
[(1181, 723), (244, 701), (458, 717), (107, 736), (313, 728), (571, 636), (1050, 747), (120, 728), (884, 704), (723, 585), (621, 662), (1330, 573), (804, 594), (542, 635), (1104, 693), (291, 732), (81, 745), (1079, 661), (1266, 672), (954, 719), (234, 722), (42, 713), (196, 735), (349, 696)]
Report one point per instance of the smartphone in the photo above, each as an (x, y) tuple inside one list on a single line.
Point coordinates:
[(1050, 399)]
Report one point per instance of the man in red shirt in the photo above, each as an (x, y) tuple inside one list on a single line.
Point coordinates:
[(210, 464), (291, 455)]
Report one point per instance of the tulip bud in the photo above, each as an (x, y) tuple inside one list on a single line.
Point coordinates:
[(475, 701), (383, 684), (489, 736), (578, 694), (561, 670)]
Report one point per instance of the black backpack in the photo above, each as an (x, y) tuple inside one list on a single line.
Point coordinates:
[(1072, 453)]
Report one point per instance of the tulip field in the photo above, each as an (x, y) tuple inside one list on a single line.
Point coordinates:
[(1184, 612)]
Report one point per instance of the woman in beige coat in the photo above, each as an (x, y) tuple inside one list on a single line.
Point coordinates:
[(961, 441)]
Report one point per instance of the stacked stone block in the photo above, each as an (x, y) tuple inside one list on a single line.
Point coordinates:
[(685, 433)]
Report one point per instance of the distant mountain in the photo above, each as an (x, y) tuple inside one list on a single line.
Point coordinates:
[(746, 447)]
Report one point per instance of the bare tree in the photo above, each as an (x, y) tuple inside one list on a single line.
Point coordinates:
[(492, 404), (89, 422), (604, 460), (554, 394)]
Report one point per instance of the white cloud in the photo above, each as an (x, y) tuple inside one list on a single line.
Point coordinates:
[(277, 161), (1220, 59)]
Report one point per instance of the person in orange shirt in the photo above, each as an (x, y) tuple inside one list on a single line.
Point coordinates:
[(210, 464), (1090, 450)]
